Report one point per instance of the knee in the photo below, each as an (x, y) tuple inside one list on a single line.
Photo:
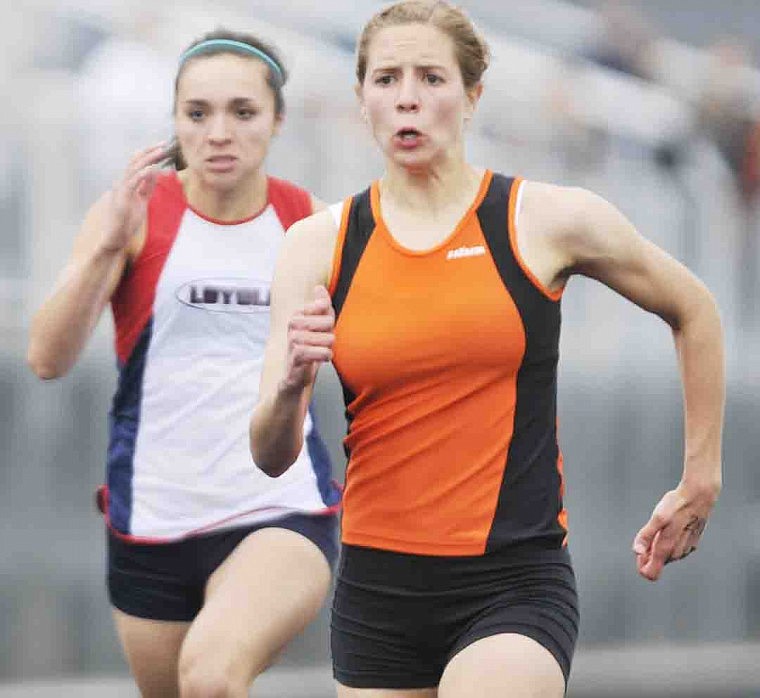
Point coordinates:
[(206, 677)]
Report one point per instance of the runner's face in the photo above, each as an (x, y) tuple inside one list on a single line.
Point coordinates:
[(224, 117), (413, 96)]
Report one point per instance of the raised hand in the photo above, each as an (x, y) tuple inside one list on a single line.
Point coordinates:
[(310, 340), (674, 530), (129, 198)]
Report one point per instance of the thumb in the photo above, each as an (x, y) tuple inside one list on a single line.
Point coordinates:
[(320, 293), (644, 538)]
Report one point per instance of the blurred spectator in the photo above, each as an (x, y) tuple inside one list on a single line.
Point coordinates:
[(725, 111), (124, 93), (627, 40), (728, 119)]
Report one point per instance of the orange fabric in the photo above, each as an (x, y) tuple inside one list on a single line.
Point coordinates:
[(430, 431), (562, 516), (338, 249)]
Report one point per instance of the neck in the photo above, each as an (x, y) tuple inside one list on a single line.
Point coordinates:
[(242, 201), (434, 188)]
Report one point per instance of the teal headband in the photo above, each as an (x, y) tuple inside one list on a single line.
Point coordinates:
[(210, 44)]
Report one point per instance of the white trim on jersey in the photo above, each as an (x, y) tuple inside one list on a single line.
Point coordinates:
[(337, 213), (518, 202)]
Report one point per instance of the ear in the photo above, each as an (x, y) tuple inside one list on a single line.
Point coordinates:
[(360, 96), (279, 119), (473, 97)]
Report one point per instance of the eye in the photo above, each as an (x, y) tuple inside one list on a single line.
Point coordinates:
[(433, 79), (245, 113), (195, 114), (386, 79)]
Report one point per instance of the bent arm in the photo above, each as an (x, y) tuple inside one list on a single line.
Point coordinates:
[(611, 251), (603, 245), (63, 324), (113, 229), (300, 339)]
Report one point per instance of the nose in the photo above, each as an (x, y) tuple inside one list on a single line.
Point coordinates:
[(218, 131), (408, 97)]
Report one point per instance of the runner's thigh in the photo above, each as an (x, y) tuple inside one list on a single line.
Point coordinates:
[(152, 649), (508, 665), (268, 589)]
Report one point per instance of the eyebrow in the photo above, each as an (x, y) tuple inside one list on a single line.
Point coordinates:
[(204, 102), (395, 66)]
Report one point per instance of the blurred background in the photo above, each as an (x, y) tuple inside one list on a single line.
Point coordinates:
[(654, 105)]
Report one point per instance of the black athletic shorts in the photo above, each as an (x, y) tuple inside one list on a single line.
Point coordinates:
[(166, 581), (398, 619)]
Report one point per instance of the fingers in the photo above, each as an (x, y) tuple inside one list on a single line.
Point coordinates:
[(142, 165), (642, 543), (655, 542), (670, 534), (146, 182), (310, 339), (662, 552), (321, 303), (313, 326), (148, 156)]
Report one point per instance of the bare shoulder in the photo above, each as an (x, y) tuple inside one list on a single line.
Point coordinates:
[(554, 209), (317, 228), (309, 246), (571, 219)]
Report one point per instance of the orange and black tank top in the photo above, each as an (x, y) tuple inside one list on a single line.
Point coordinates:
[(448, 362)]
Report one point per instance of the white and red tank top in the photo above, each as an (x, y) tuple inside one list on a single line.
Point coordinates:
[(192, 320)]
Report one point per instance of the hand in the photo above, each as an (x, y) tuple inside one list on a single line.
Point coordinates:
[(674, 529), (310, 340), (129, 198)]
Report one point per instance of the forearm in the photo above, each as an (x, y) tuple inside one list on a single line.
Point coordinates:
[(699, 345), (276, 433), (63, 324)]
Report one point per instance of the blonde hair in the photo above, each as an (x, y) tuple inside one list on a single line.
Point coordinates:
[(470, 48)]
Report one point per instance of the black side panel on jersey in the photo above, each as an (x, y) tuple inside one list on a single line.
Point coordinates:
[(530, 498), (361, 225)]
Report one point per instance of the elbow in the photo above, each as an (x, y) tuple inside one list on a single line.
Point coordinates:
[(272, 465), (701, 311), (270, 469), (271, 461), (275, 441), (42, 367)]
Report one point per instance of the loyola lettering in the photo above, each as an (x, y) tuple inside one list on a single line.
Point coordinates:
[(212, 295)]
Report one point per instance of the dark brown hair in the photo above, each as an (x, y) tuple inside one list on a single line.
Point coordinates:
[(275, 79)]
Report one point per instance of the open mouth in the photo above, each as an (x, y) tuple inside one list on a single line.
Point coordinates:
[(408, 135)]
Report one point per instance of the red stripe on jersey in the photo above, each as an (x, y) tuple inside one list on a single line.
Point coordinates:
[(132, 302), (291, 203)]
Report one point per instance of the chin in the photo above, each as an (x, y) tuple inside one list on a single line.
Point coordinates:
[(223, 181), (414, 163)]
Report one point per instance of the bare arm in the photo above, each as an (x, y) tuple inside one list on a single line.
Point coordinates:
[(63, 324), (601, 243), (300, 339)]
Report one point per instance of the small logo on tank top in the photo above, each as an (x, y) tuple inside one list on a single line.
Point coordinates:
[(225, 295), (461, 252)]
